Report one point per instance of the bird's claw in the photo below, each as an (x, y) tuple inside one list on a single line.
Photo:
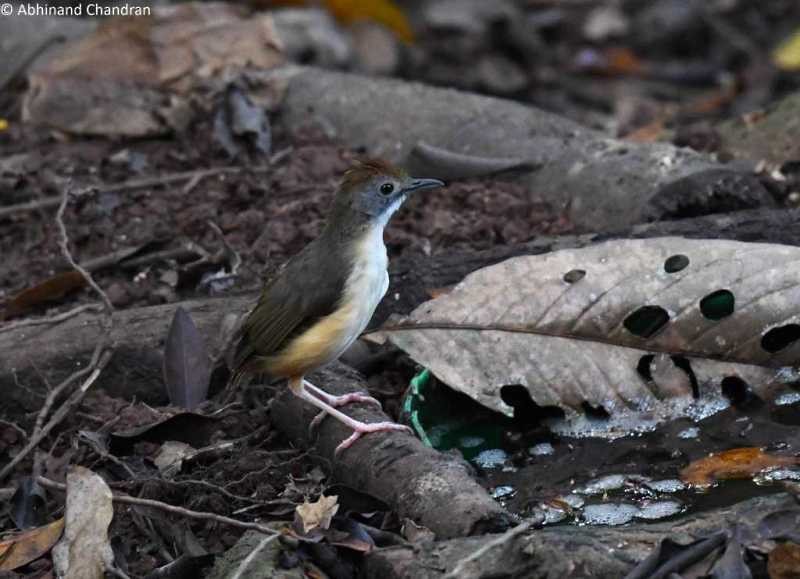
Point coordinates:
[(365, 428), (337, 401)]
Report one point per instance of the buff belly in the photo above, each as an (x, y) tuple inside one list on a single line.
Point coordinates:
[(327, 339)]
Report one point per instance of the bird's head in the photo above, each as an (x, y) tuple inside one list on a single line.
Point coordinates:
[(372, 190)]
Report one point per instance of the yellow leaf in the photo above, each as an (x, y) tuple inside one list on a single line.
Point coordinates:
[(29, 546), (787, 55), (384, 12)]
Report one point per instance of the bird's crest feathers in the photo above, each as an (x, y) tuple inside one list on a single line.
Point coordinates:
[(367, 169)]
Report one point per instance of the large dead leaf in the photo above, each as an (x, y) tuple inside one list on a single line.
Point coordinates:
[(622, 325), (85, 550), (131, 75), (29, 546)]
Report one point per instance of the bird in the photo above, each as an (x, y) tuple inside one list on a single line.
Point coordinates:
[(318, 304)]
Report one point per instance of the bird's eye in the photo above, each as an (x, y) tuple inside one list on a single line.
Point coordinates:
[(387, 188)]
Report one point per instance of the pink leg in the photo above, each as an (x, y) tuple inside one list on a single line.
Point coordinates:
[(359, 428), (335, 401), (342, 400)]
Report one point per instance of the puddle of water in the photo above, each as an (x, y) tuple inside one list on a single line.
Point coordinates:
[(628, 470)]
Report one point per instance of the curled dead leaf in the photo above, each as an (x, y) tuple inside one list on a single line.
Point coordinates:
[(316, 515)]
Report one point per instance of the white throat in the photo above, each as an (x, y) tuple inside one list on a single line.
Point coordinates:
[(384, 217)]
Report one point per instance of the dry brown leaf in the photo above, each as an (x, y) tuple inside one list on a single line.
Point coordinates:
[(316, 515), (784, 562), (85, 552), (29, 546), (632, 326), (732, 464), (50, 290), (129, 77), (171, 455)]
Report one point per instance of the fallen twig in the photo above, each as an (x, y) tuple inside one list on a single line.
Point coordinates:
[(100, 358), (132, 185), (459, 571), (63, 244), (136, 501), (50, 319)]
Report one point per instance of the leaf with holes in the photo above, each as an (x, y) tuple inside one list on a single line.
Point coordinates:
[(624, 327)]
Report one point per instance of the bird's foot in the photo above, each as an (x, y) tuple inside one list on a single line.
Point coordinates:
[(362, 428), (336, 402)]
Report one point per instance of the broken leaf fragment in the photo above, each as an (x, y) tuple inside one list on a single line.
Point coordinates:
[(733, 464), (316, 515), (21, 549), (84, 551), (131, 76)]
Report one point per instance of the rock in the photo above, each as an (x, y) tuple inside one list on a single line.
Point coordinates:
[(769, 136), (606, 183), (499, 75), (118, 294), (466, 16), (605, 22), (377, 51), (666, 24)]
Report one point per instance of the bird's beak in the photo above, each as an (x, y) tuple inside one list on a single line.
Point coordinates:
[(419, 184)]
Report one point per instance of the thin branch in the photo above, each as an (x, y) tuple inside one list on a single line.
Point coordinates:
[(55, 319), (100, 358), (245, 564), (459, 571), (63, 244), (132, 185), (15, 426), (202, 515)]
